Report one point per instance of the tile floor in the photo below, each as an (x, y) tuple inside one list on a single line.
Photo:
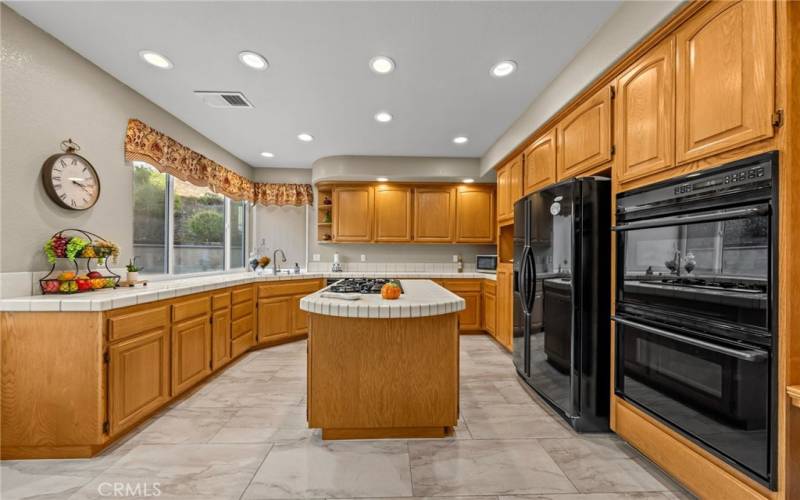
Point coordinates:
[(243, 436)]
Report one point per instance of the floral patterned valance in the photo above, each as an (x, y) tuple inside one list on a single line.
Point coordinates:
[(284, 194), (143, 143)]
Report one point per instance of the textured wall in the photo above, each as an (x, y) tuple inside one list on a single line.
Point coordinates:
[(50, 93)]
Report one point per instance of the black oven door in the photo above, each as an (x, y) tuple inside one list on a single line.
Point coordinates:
[(713, 266), (717, 393)]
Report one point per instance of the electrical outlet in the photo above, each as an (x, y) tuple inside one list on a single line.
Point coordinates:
[(455, 258), (315, 257), (363, 258)]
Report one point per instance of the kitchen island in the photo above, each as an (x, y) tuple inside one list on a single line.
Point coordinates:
[(384, 368)]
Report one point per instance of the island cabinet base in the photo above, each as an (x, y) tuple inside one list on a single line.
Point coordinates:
[(383, 378)]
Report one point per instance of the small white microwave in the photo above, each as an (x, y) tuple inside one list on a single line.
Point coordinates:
[(486, 263)]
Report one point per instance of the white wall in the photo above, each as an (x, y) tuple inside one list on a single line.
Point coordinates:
[(50, 93), (630, 24)]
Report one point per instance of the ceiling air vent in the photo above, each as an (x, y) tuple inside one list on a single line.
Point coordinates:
[(217, 99)]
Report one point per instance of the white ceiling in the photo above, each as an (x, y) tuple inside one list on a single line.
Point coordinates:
[(319, 80)]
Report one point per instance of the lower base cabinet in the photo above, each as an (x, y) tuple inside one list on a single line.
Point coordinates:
[(274, 318), (191, 353), (220, 338), (243, 332), (489, 307), (505, 294), (279, 315), (138, 378), (470, 319)]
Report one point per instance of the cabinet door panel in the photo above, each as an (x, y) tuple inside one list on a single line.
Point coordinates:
[(352, 213), (470, 318), (504, 211), (725, 76), (516, 181), (274, 318), (434, 215), (191, 353), (504, 322), (299, 317), (221, 338), (489, 312), (392, 213), (138, 378), (584, 136), (475, 222), (540, 162), (645, 114)]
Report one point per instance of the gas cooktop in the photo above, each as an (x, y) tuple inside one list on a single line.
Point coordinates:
[(361, 285)]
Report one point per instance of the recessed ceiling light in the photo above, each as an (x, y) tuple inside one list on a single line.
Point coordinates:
[(305, 137), (382, 179), (383, 117), (503, 68), (469, 180), (253, 60), (155, 59), (267, 154), (381, 64), (460, 139)]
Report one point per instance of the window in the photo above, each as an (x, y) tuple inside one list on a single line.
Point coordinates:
[(180, 228)]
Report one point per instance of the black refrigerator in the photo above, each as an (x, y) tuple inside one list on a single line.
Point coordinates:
[(562, 290)]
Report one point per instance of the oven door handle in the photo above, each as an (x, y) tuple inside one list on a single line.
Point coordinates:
[(750, 355), (738, 213)]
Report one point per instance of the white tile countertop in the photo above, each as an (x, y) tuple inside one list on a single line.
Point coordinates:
[(420, 298), (103, 300)]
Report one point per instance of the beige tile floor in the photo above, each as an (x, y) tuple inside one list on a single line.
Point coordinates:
[(244, 436)]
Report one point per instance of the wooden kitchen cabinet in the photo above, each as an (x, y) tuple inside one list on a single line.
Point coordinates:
[(540, 162), (645, 114), (725, 78), (584, 137), (243, 332), (138, 376), (191, 342), (505, 297), (470, 319), (489, 301), (475, 216), (393, 213), (353, 208), (509, 188), (220, 330), (434, 214), (299, 317), (274, 318)]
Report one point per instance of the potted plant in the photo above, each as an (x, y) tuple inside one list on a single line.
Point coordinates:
[(133, 271)]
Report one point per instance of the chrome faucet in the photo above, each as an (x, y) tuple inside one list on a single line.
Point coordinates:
[(275, 266)]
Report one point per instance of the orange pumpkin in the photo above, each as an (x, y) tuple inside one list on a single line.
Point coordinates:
[(390, 291)]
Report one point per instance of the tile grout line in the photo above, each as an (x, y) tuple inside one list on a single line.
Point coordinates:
[(261, 464)]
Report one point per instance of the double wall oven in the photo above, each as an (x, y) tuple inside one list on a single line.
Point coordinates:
[(696, 314)]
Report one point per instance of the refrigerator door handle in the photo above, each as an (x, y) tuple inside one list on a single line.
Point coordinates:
[(531, 298), (522, 282)]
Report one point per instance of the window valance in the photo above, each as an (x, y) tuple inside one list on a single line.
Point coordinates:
[(143, 143)]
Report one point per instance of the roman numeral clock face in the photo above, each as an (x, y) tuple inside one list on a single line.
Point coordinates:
[(71, 181)]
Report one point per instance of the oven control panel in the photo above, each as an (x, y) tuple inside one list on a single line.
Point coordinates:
[(753, 174)]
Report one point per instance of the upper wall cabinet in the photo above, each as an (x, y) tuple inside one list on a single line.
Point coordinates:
[(393, 213), (352, 213), (725, 78), (475, 222), (540, 162), (584, 136), (645, 113), (435, 214), (509, 188)]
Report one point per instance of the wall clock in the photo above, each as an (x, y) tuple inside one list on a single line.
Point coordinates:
[(70, 180)]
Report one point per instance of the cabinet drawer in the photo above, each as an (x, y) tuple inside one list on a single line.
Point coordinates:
[(241, 326), (242, 295), (242, 344), (288, 288), (220, 300), (241, 310), (190, 308), (130, 324), (462, 285)]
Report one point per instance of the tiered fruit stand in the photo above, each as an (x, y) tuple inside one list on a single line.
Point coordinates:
[(74, 244)]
